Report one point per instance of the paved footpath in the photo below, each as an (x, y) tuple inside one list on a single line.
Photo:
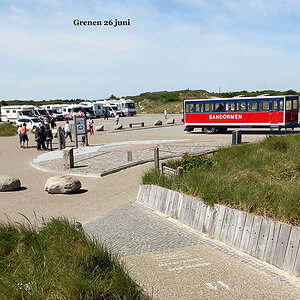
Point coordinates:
[(172, 261)]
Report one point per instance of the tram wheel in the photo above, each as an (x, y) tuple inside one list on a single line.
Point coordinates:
[(210, 130)]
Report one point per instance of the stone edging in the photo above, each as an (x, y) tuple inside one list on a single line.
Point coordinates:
[(270, 241)]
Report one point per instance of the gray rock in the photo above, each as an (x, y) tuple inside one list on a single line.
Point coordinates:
[(170, 121), (118, 127), (8, 183), (100, 128), (63, 184), (158, 122)]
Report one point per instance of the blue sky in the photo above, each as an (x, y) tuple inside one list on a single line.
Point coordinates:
[(170, 45)]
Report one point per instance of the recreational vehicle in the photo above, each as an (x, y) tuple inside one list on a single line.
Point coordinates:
[(55, 111), (14, 112), (127, 107), (96, 107)]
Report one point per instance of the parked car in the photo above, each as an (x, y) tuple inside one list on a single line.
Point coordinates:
[(31, 122)]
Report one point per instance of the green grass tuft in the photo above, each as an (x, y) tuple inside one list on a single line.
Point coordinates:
[(59, 262)]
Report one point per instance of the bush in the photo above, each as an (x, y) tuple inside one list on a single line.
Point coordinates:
[(7, 129), (190, 162)]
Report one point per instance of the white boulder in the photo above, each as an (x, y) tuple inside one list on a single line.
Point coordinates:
[(158, 122), (9, 183), (63, 184), (170, 121)]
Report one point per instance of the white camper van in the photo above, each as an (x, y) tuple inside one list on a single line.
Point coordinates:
[(69, 111), (96, 107), (54, 110), (113, 107), (127, 107), (14, 112)]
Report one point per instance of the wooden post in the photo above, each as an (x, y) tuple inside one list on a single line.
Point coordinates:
[(68, 158), (129, 155), (156, 158), (59, 138), (162, 168)]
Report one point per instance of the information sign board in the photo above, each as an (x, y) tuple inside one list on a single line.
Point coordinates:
[(80, 124)]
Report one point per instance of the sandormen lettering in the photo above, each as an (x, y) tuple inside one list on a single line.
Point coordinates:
[(228, 116)]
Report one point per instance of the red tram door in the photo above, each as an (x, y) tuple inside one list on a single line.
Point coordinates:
[(276, 113)]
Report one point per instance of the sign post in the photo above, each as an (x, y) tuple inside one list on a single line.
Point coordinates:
[(80, 129)]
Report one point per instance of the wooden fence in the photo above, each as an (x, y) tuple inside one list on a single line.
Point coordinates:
[(270, 241)]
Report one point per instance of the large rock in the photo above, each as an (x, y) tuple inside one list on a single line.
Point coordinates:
[(63, 184), (158, 122), (8, 183), (170, 121), (118, 127), (100, 128)]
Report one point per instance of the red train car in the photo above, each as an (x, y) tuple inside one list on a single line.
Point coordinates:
[(217, 115)]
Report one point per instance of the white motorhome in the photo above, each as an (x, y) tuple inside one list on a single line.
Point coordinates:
[(55, 110), (41, 112), (127, 107), (69, 111), (95, 107), (14, 112), (113, 107)]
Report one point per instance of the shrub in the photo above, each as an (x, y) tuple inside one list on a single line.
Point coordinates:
[(7, 129), (190, 162)]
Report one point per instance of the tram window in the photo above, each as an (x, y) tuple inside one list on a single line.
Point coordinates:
[(295, 104), (189, 108), (199, 107), (264, 105), (274, 105), (230, 106), (281, 105), (208, 107), (219, 107), (288, 105), (241, 106), (252, 106)]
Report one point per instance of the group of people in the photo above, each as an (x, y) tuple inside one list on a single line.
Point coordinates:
[(42, 135)]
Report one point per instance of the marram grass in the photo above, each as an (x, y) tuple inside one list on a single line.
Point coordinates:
[(7, 129), (59, 262), (262, 178)]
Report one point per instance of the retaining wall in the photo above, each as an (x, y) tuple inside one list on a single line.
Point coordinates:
[(270, 241)]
